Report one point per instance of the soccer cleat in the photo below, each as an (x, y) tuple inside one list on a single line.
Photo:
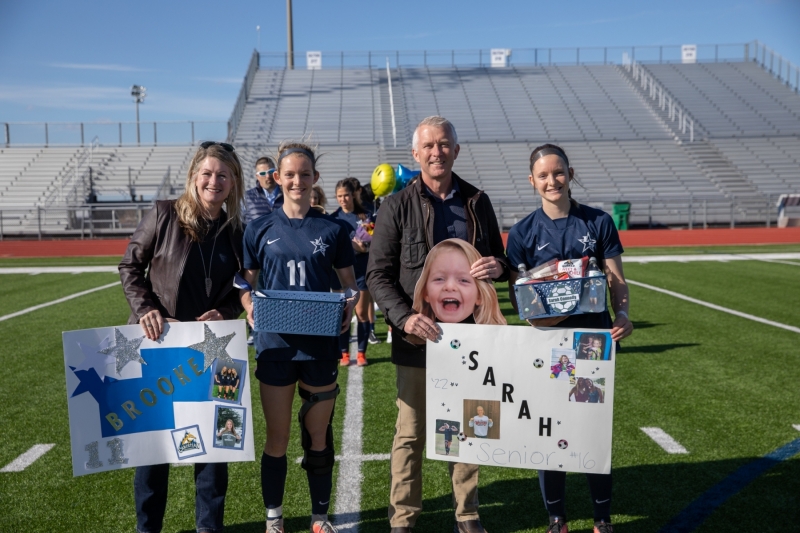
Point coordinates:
[(603, 527), (250, 340), (558, 526), (323, 526), (345, 359), (373, 339), (275, 525), (361, 360)]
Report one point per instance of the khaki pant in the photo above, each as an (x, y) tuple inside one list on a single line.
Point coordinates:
[(405, 497)]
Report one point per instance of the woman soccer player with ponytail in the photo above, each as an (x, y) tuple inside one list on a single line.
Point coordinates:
[(297, 248), (564, 229)]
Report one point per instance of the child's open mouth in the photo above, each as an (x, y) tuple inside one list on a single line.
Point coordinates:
[(450, 304)]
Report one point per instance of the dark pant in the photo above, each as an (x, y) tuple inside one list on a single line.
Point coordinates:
[(150, 492), (554, 490)]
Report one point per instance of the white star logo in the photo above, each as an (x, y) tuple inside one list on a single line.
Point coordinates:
[(587, 242), (319, 246)]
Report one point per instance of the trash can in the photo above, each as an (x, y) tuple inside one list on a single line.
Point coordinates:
[(620, 214)]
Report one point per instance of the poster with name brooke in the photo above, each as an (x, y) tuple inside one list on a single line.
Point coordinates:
[(521, 397), (184, 398)]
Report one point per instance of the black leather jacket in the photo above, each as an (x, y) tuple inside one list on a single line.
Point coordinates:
[(160, 244), (401, 241)]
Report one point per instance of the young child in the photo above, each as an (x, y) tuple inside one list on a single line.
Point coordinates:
[(446, 292), (564, 365), (480, 423)]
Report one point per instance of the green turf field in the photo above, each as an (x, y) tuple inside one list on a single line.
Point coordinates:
[(723, 386)]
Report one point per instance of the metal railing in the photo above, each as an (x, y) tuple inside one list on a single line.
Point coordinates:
[(664, 101), (79, 221), (176, 132), (106, 219), (777, 65), (244, 94), (519, 56), (685, 212)]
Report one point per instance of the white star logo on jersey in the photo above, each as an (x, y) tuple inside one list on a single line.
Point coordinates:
[(587, 242), (319, 246)]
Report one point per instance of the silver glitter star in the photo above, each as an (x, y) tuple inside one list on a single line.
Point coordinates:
[(124, 350), (213, 347)]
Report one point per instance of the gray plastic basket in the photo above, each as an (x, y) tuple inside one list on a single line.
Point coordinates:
[(304, 313)]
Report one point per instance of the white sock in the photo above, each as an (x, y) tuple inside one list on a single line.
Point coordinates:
[(274, 514)]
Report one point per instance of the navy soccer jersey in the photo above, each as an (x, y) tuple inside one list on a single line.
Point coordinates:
[(296, 255), (586, 231)]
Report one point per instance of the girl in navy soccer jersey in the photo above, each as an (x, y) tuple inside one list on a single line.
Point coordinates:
[(353, 213), (565, 229), (297, 248)]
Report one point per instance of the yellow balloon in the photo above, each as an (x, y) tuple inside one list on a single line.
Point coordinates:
[(383, 180)]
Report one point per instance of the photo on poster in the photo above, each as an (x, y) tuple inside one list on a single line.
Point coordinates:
[(226, 382), (447, 437), (588, 390), (229, 427), (592, 346), (188, 442), (482, 419), (562, 364)]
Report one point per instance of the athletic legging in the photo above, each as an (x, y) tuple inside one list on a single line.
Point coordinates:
[(554, 489)]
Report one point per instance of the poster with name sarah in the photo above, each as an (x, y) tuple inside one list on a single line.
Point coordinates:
[(521, 397), (184, 398)]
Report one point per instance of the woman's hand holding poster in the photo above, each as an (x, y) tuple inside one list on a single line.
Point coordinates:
[(135, 402)]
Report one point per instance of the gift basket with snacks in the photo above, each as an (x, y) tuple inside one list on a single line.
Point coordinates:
[(560, 287)]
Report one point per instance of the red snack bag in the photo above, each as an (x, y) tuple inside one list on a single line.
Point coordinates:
[(573, 267)]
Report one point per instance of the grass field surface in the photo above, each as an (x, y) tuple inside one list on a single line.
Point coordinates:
[(722, 386)]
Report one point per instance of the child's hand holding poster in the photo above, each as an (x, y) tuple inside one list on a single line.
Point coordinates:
[(135, 402), (509, 395)]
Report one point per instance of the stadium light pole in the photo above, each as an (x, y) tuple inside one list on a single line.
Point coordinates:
[(258, 37), (290, 40), (138, 92)]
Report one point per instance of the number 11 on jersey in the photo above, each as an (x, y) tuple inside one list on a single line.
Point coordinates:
[(301, 267)]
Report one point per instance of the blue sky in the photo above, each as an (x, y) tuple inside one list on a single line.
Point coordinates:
[(74, 61)]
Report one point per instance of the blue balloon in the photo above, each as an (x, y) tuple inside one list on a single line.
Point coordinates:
[(404, 176)]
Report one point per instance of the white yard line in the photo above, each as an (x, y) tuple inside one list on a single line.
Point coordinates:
[(28, 458), (361, 458), (769, 257), (348, 484), (60, 270), (60, 300), (715, 306), (661, 438)]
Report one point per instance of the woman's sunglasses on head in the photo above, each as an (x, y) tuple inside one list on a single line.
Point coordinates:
[(227, 147)]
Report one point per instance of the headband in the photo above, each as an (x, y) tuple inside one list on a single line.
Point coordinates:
[(303, 151), (550, 150)]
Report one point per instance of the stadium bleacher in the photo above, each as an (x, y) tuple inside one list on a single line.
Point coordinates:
[(746, 152)]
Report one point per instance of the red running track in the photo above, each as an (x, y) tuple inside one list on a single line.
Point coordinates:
[(630, 239)]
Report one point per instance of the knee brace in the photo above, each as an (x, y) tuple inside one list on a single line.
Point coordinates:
[(316, 462)]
